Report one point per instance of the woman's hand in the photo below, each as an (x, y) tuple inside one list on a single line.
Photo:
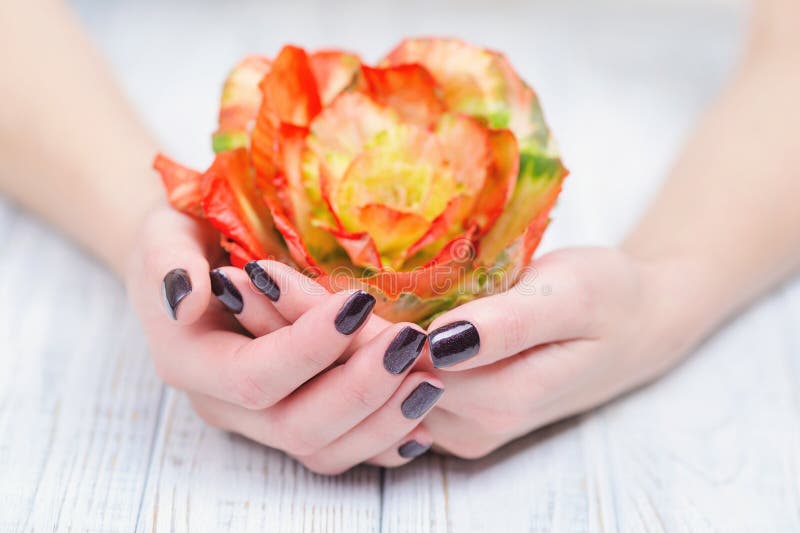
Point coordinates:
[(283, 387), (581, 327)]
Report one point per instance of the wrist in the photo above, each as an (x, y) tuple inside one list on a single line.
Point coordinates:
[(682, 306)]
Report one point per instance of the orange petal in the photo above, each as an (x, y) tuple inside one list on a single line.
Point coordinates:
[(465, 143), (339, 134), (232, 205), (237, 254), (517, 230), (391, 229), (183, 185), (359, 247), (441, 225), (499, 185), (290, 89), (409, 89), (294, 242), (241, 98), (334, 72)]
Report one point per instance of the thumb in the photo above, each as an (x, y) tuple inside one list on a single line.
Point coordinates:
[(549, 303), (168, 273)]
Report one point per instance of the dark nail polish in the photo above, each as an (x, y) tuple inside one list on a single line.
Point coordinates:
[(227, 293), (262, 281), (354, 312), (420, 400), (412, 449), (454, 343), (175, 287), (403, 350)]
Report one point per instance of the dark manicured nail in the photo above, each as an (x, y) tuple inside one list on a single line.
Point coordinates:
[(420, 400), (454, 343), (175, 287), (403, 350), (227, 293), (412, 449), (263, 281), (354, 312)]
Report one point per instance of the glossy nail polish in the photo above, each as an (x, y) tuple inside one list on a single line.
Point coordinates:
[(175, 287), (226, 292), (412, 449), (420, 400), (404, 350), (262, 281), (454, 343), (354, 312)]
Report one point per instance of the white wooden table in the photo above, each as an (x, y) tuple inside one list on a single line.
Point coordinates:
[(90, 440)]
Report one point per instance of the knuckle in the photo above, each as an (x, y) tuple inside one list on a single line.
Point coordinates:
[(515, 329), (314, 359), (248, 393), (362, 395)]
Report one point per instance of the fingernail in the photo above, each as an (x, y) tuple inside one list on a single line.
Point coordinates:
[(403, 350), (263, 281), (175, 287), (454, 343), (354, 312), (420, 400), (226, 292), (412, 449)]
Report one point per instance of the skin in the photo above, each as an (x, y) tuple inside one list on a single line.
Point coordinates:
[(608, 321)]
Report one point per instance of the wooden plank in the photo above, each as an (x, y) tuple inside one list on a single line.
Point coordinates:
[(206, 479), (78, 398)]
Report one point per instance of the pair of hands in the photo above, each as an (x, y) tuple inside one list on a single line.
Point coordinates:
[(275, 357)]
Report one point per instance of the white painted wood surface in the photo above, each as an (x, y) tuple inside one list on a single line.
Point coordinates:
[(91, 441)]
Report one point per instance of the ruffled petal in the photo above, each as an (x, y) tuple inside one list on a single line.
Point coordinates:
[(289, 90), (184, 185), (471, 78), (467, 148), (301, 197), (537, 188), (360, 247), (232, 205), (481, 83), (499, 185), (341, 131), (241, 98), (334, 72), (409, 89)]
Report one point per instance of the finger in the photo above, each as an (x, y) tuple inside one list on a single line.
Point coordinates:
[(334, 402), (295, 293), (233, 289), (268, 368), (257, 373), (524, 383), (411, 446), (549, 303), (170, 274), (399, 416)]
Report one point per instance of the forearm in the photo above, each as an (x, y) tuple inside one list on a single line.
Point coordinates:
[(726, 225), (71, 148)]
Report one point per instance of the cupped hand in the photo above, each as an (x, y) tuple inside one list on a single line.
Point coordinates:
[(274, 356), (581, 326)]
